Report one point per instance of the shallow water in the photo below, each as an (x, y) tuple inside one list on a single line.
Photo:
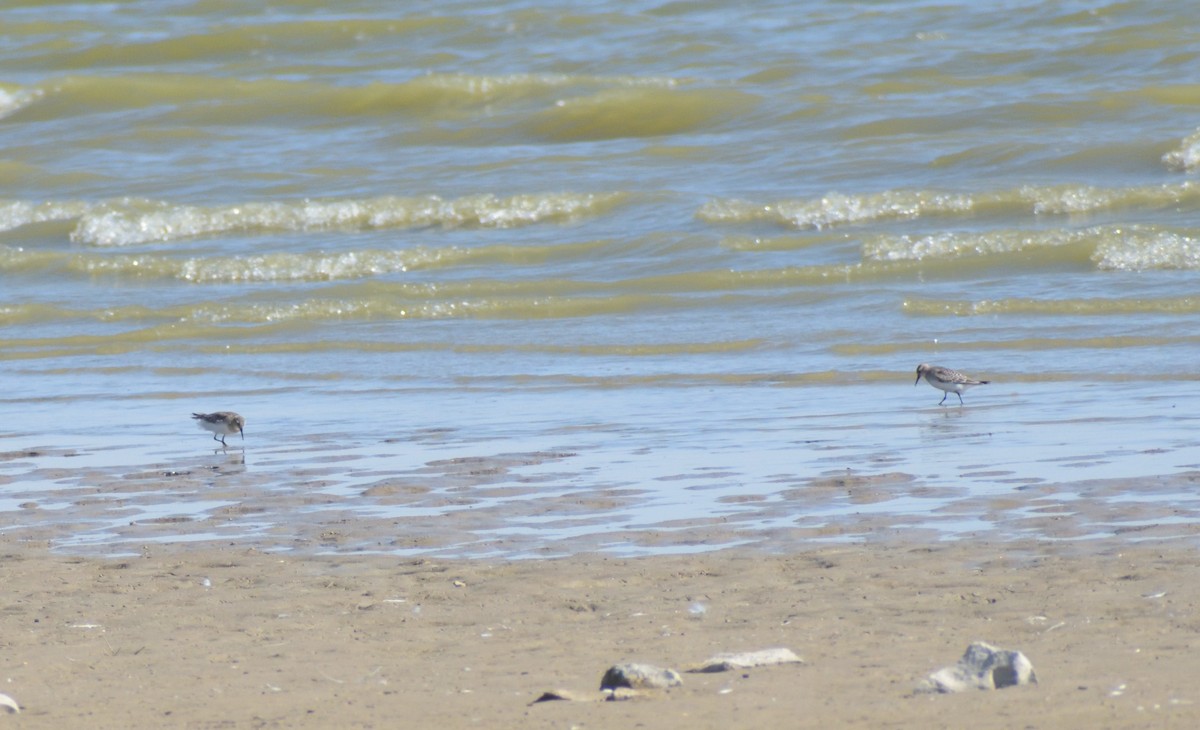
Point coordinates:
[(629, 470), (660, 268)]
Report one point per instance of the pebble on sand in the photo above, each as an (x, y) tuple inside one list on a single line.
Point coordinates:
[(983, 666), (748, 660), (639, 676)]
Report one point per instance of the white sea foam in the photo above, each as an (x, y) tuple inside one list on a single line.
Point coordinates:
[(1186, 156), (17, 213), (1114, 248), (835, 209), (13, 100), (951, 244), (1141, 250), (129, 223), (838, 209)]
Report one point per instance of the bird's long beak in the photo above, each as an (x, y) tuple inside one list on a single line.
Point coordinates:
[(918, 379), (243, 433)]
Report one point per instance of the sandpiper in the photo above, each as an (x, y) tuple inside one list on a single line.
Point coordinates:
[(946, 379), (221, 424)]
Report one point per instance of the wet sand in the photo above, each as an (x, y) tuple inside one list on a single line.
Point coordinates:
[(267, 606), (552, 504), (227, 636)]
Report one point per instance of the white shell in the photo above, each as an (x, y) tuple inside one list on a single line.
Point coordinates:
[(748, 660)]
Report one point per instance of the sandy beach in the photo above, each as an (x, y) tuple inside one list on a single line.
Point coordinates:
[(232, 637), (574, 334)]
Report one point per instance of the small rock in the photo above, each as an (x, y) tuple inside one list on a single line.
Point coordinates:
[(640, 676), (620, 694), (614, 695), (748, 659), (983, 666), (557, 694)]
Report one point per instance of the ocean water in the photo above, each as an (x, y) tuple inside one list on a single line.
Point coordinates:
[(653, 268)]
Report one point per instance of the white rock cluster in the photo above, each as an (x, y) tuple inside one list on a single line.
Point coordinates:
[(983, 666)]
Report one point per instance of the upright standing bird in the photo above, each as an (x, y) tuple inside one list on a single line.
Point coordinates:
[(221, 424), (946, 379)]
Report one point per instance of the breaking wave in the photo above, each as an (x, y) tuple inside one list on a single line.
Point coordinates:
[(1112, 248), (836, 209), (1186, 156), (132, 221)]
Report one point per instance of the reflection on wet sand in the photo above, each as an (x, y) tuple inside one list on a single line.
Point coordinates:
[(551, 503)]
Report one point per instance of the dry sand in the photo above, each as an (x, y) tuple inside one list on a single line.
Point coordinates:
[(231, 637)]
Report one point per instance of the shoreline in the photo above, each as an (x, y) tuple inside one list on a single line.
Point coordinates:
[(198, 636), (529, 505)]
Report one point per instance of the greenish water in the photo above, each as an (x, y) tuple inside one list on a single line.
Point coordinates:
[(677, 244)]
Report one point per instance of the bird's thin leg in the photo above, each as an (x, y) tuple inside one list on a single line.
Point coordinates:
[(216, 438), (959, 398), (943, 400)]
